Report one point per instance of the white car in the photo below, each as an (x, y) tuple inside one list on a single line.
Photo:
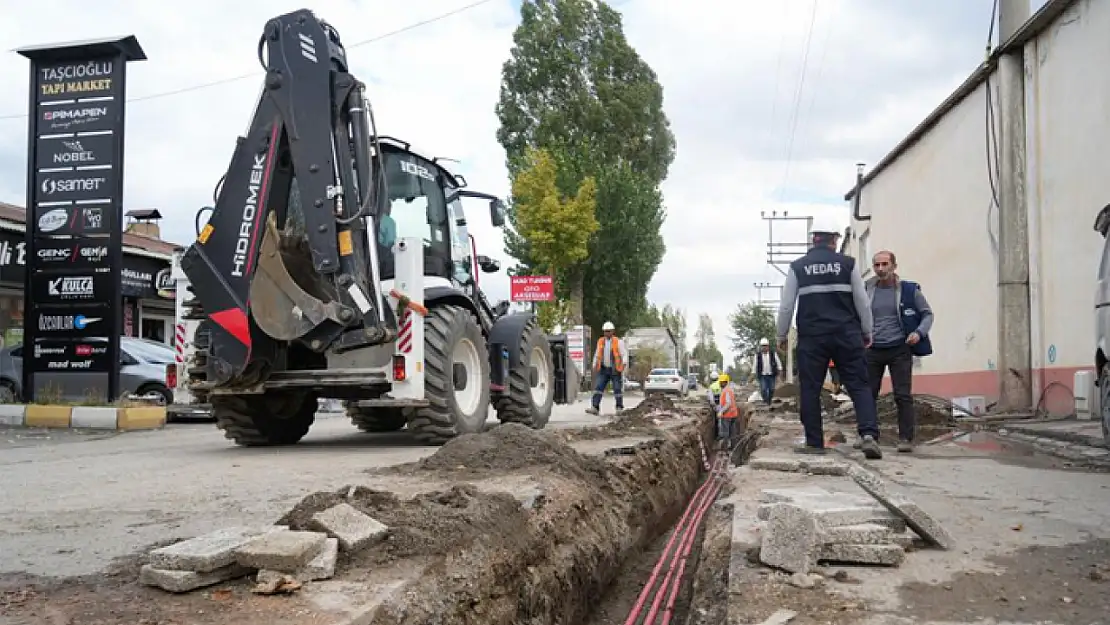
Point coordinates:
[(665, 381)]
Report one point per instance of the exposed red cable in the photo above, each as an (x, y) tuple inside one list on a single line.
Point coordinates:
[(705, 494), (647, 590), (684, 556), (674, 572)]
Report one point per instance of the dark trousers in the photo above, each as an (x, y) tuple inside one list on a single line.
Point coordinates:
[(605, 375), (899, 361), (814, 354), (727, 429), (767, 388)]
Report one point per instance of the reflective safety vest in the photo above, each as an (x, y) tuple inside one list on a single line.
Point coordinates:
[(715, 388), (728, 402), (614, 345)]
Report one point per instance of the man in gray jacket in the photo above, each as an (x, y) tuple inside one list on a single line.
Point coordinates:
[(901, 324)]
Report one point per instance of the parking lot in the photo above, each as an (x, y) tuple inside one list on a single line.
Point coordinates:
[(72, 501)]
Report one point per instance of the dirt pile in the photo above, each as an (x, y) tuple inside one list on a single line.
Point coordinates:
[(646, 419), (787, 390), (548, 563)]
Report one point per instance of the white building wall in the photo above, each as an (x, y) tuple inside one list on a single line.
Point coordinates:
[(1068, 181), (931, 207)]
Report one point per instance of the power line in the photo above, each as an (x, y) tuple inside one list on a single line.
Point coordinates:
[(798, 99), (816, 82), (778, 75), (232, 79)]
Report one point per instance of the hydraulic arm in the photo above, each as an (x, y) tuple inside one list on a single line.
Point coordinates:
[(284, 256)]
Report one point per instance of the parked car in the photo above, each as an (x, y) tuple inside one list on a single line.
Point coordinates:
[(692, 382), (665, 381), (143, 368)]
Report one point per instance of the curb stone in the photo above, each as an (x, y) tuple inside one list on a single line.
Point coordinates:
[(83, 417), (1090, 456)]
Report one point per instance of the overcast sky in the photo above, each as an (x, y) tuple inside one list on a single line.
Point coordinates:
[(747, 140)]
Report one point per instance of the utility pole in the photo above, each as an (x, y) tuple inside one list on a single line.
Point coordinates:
[(781, 253), (771, 303), (1015, 384)]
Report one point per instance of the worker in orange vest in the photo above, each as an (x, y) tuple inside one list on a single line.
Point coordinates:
[(728, 412), (610, 358)]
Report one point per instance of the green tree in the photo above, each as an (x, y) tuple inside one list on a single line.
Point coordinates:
[(705, 347), (558, 229), (644, 359), (574, 86), (648, 317), (674, 319), (751, 322)]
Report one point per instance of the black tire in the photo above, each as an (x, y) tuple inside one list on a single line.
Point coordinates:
[(8, 394), (1104, 401), (265, 420), (376, 420), (446, 327), (158, 389), (519, 406)]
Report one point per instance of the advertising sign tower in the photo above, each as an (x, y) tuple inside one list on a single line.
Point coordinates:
[(74, 240)]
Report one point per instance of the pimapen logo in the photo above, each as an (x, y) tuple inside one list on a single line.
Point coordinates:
[(67, 287), (72, 119)]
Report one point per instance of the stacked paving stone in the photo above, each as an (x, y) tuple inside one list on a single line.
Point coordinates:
[(807, 525), (272, 553)]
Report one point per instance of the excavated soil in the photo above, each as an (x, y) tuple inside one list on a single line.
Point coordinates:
[(648, 418), (482, 557)]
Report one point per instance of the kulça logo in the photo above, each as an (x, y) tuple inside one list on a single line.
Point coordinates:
[(53, 220)]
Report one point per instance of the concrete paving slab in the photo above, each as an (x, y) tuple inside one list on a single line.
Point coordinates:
[(882, 555), (862, 534), (916, 518), (354, 529), (205, 553), (281, 551), (789, 539), (185, 581)]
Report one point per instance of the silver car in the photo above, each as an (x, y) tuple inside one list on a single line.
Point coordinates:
[(144, 365)]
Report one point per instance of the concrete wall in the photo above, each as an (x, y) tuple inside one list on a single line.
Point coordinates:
[(1068, 182), (932, 207)]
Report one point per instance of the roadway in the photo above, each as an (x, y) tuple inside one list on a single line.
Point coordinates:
[(70, 502)]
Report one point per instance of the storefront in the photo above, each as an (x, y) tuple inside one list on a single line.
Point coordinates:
[(148, 295)]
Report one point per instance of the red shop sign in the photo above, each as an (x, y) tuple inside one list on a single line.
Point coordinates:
[(531, 289)]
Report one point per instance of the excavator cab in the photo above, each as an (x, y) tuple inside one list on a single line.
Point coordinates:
[(336, 263)]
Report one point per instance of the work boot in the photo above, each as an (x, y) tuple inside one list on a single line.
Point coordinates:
[(592, 410), (870, 448), (810, 450), (905, 447)]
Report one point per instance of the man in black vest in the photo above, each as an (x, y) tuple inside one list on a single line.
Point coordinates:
[(834, 323), (767, 368)]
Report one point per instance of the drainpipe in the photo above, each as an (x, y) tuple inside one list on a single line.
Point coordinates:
[(1015, 384), (857, 194)]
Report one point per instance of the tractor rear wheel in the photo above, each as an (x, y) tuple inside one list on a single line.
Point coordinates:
[(376, 420), (531, 388), (265, 420), (456, 377)]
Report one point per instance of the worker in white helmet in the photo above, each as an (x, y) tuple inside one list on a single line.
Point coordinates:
[(834, 323), (610, 360), (767, 368)]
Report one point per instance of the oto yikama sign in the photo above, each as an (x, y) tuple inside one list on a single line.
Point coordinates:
[(531, 289)]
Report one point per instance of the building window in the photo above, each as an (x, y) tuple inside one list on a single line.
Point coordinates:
[(156, 328)]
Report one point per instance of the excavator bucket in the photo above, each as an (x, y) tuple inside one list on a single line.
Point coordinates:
[(279, 306)]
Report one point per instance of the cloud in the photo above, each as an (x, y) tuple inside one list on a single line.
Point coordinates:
[(730, 78)]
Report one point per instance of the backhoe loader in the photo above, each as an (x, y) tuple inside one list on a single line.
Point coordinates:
[(336, 263)]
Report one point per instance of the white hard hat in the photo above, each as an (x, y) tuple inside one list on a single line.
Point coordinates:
[(763, 342), (608, 325), (824, 225)]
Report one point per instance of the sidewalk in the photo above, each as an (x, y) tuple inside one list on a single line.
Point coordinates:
[(1030, 540)]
